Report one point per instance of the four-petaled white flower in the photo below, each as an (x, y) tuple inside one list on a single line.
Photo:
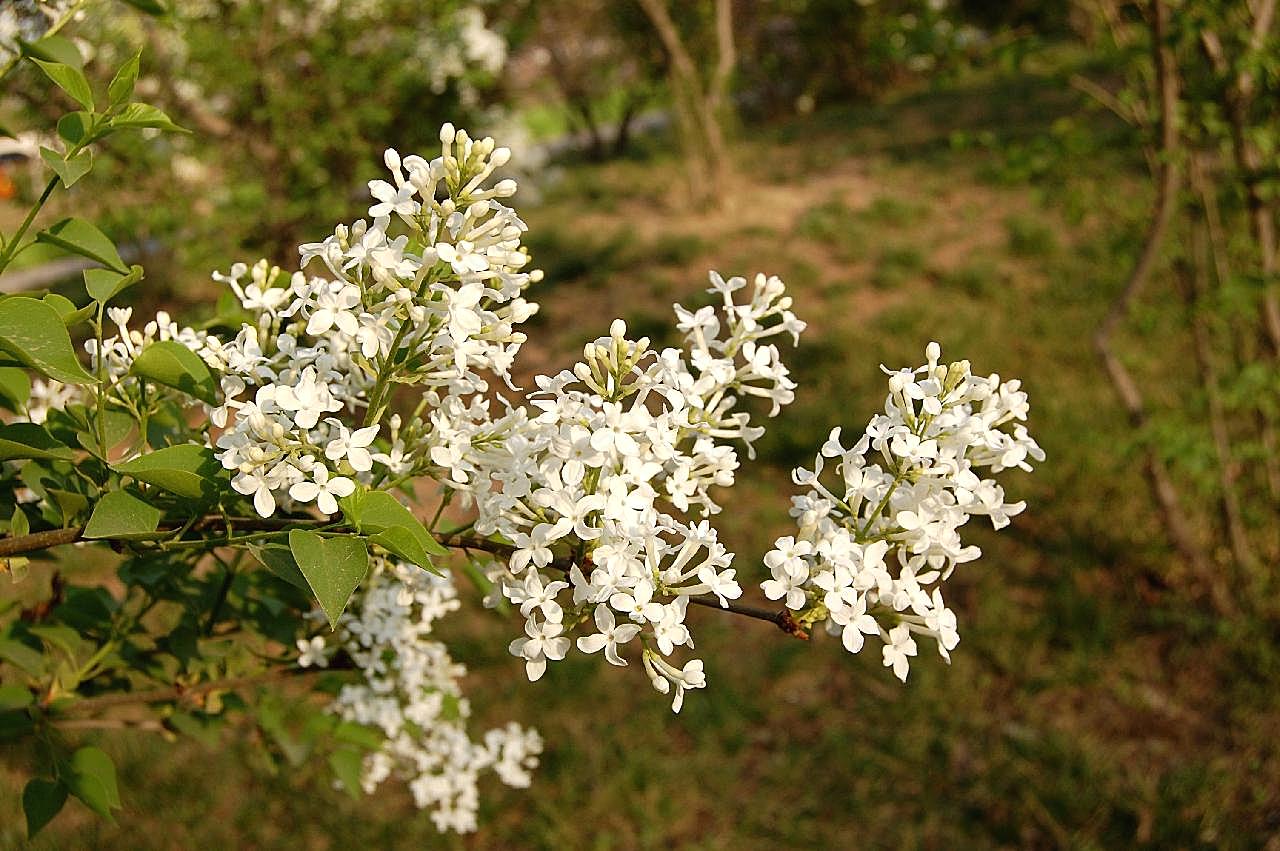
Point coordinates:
[(312, 652), (544, 642), (353, 446), (609, 637), (324, 490)]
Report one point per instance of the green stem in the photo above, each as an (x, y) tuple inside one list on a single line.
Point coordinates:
[(11, 248), (102, 388)]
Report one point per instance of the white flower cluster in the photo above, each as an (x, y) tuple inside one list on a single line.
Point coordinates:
[(873, 550), (600, 485), (613, 455), (410, 693), (434, 307)]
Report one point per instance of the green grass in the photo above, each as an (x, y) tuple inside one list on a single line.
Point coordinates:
[(897, 267)]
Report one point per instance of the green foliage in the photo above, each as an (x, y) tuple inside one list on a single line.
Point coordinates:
[(102, 285), (188, 470), (42, 800), (70, 79), (333, 567), (81, 237), (389, 524), (27, 440), (91, 777), (121, 515), (174, 365), (33, 334)]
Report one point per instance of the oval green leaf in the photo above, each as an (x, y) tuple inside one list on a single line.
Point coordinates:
[(42, 800), (122, 516), (172, 364), (28, 440), (33, 333), (188, 470), (81, 237)]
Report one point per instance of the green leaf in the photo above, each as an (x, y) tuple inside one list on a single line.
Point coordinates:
[(121, 87), (70, 504), (348, 765), (392, 526), (30, 660), (92, 779), (64, 638), (334, 568), (42, 800), (15, 697), (15, 725), (77, 127), (172, 364), (19, 525), (28, 440), (80, 237), (116, 426), (151, 7), (70, 79), (68, 170), (145, 115), (122, 515), (53, 48), (280, 561), (33, 333), (358, 734), (67, 310), (105, 284), (187, 470), (15, 387)]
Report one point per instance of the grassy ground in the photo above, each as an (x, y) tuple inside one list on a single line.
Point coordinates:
[(1091, 703)]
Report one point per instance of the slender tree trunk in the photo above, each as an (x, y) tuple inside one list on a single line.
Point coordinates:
[(1192, 277), (701, 108), (1176, 524), (622, 139)]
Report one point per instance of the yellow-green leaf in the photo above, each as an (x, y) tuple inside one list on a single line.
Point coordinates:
[(33, 333)]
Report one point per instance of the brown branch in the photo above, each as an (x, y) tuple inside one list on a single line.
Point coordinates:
[(180, 693), (1194, 292), (1128, 114), (38, 541), (150, 725), (1237, 98), (782, 619), (1175, 522), (44, 540)]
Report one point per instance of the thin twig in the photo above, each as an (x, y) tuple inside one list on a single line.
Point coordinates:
[(35, 542), (180, 692)]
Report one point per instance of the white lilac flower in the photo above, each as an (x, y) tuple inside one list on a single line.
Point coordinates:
[(323, 489), (312, 652), (872, 552), (352, 446), (610, 636), (392, 617)]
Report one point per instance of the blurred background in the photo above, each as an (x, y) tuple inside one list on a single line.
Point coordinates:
[(1079, 193)]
